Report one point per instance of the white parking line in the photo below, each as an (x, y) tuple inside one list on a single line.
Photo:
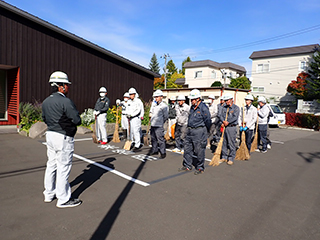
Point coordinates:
[(120, 174)]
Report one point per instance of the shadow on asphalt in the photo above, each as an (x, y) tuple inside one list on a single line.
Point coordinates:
[(90, 176), (106, 224), (309, 157)]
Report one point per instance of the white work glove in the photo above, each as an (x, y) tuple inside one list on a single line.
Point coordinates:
[(96, 112)]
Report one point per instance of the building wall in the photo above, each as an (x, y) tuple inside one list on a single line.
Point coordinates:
[(282, 70), (207, 76), (38, 51)]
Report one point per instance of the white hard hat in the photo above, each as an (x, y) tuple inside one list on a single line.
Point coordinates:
[(262, 99), (132, 91), (212, 96), (172, 98), (126, 94), (227, 96), (103, 89), (59, 77), (181, 98), (195, 93), (249, 97), (158, 93)]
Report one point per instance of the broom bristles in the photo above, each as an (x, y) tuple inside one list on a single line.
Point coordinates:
[(215, 161), (167, 136), (254, 144), (116, 138), (242, 152)]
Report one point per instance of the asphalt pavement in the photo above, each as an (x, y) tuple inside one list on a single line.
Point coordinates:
[(128, 195)]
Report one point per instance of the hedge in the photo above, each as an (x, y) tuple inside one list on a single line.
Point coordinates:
[(303, 120)]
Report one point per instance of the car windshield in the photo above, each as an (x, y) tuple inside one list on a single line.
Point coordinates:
[(276, 109)]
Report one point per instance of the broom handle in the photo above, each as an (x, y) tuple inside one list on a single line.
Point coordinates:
[(243, 116), (225, 120)]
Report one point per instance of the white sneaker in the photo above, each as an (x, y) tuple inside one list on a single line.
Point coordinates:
[(176, 150), (269, 146), (182, 151), (257, 150)]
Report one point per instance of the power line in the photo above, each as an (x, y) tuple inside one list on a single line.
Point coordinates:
[(245, 45)]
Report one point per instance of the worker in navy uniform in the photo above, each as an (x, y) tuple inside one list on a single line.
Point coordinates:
[(172, 114), (100, 111), (218, 124), (228, 152), (248, 122), (159, 115), (62, 118), (199, 123)]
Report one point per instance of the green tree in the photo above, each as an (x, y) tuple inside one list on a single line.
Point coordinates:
[(183, 71), (216, 84), (154, 65), (172, 82), (314, 79), (171, 69), (240, 83)]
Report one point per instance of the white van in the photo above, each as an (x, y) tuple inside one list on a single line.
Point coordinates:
[(278, 115)]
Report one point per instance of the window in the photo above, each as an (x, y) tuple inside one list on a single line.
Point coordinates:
[(263, 68), (303, 66), (198, 74), (213, 75), (258, 89)]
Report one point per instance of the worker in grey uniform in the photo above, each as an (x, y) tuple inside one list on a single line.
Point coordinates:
[(124, 119), (230, 123), (100, 111), (182, 112), (199, 123), (62, 118), (134, 117), (159, 115), (263, 113), (248, 122), (213, 109)]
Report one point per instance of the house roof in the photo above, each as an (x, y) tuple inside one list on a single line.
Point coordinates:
[(284, 51), (205, 63), (73, 37)]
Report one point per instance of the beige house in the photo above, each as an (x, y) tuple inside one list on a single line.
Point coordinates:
[(204, 73), (273, 70)]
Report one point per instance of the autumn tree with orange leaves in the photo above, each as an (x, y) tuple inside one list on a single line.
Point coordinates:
[(298, 87)]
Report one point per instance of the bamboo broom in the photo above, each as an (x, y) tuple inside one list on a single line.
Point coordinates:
[(243, 152), (146, 137), (128, 143), (215, 161), (254, 144), (94, 135), (116, 138), (167, 136)]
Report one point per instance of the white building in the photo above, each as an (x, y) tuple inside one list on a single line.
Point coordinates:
[(273, 70), (204, 73)]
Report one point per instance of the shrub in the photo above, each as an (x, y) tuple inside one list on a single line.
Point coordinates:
[(303, 120), (87, 117), (29, 114)]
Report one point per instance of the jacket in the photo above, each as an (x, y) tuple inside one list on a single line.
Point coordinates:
[(60, 114), (159, 113), (134, 108), (213, 109), (102, 105), (199, 116), (182, 114), (250, 116), (233, 114), (263, 114)]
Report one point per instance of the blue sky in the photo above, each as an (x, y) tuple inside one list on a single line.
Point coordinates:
[(135, 29)]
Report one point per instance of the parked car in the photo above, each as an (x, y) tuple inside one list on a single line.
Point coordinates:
[(278, 115)]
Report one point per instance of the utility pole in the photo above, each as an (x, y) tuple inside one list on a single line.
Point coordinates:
[(165, 56)]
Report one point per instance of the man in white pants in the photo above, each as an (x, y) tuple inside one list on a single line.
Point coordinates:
[(133, 114), (124, 119), (62, 117), (100, 111)]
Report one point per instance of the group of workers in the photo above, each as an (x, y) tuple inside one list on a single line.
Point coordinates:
[(195, 126)]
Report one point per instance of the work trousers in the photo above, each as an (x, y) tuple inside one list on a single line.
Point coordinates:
[(101, 130), (195, 147), (158, 142), (262, 135), (229, 149), (60, 150), (135, 126), (179, 135)]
